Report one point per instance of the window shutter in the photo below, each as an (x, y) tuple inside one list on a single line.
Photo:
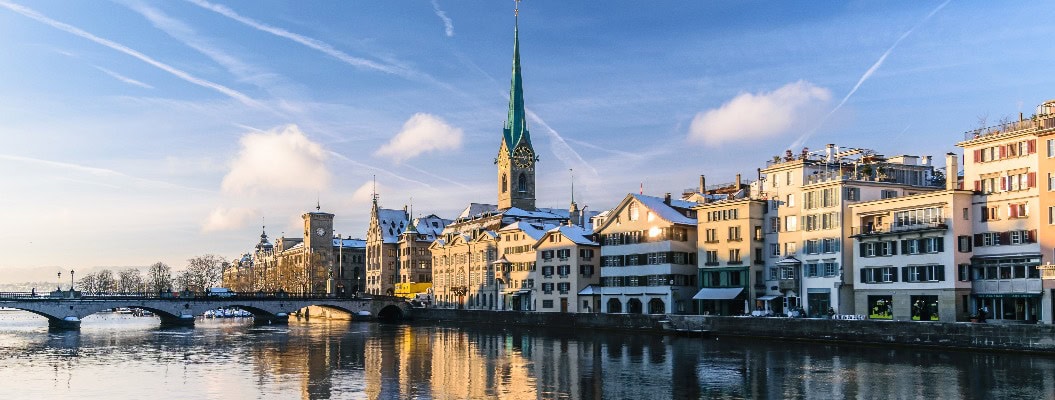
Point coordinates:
[(1031, 146), (1005, 238), (904, 246), (893, 247), (941, 244), (862, 245), (1031, 235), (978, 239), (1003, 183), (1012, 211), (1003, 151), (893, 275), (940, 272), (1031, 179), (904, 274), (978, 186), (978, 156), (863, 280)]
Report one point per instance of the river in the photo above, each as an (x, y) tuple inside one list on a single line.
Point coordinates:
[(117, 356)]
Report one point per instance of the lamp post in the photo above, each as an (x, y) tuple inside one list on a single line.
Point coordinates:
[(59, 287), (71, 280)]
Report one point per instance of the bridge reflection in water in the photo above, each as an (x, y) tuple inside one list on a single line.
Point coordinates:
[(325, 359), (66, 309)]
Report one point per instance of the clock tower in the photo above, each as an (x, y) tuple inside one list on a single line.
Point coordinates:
[(318, 246), (516, 157)]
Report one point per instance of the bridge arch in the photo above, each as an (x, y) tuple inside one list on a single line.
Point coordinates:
[(390, 313)]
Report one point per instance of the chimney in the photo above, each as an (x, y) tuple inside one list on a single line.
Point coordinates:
[(952, 171), (703, 184), (666, 199), (737, 183), (829, 153)]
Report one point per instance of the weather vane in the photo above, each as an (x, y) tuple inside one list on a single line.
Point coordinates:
[(516, 8)]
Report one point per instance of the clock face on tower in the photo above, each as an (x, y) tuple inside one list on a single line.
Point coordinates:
[(320, 232), (523, 158)]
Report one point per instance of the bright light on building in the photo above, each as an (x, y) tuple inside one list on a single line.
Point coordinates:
[(653, 232)]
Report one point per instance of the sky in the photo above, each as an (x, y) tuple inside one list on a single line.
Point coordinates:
[(138, 131)]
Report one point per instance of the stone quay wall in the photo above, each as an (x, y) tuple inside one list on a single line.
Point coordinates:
[(958, 336)]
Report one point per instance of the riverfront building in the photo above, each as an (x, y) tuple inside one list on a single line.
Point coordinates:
[(913, 254), (808, 227), (1013, 232), (568, 270), (648, 256), (731, 247)]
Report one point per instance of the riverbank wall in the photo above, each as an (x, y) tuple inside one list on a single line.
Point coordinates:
[(1030, 338)]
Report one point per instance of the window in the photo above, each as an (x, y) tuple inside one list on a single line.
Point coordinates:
[(586, 270), (734, 233), (547, 303), (586, 254), (563, 270), (791, 223), (1020, 210), (1051, 181), (1051, 148), (774, 274), (1051, 215), (712, 235), (633, 212), (758, 233), (810, 269), (830, 268), (774, 249), (813, 246), (547, 288), (880, 307), (923, 273), (879, 275), (734, 256), (790, 200), (888, 194), (712, 258), (774, 224), (522, 183), (563, 287), (563, 254), (851, 193), (964, 272), (547, 255), (790, 248), (547, 271), (963, 244)]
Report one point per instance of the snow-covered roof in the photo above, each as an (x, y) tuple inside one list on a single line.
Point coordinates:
[(475, 209), (349, 243), (431, 225), (576, 234), (542, 213), (675, 212), (534, 230), (392, 223)]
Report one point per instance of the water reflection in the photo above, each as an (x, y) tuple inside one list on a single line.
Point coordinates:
[(118, 357)]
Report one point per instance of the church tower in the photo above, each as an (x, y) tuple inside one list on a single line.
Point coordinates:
[(516, 157)]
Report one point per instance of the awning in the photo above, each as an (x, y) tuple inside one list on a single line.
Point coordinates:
[(523, 291), (717, 293), (768, 297), (1008, 295), (789, 260), (590, 290)]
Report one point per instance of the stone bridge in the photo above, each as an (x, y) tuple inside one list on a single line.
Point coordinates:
[(65, 310)]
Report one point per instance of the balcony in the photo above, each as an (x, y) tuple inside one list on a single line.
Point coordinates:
[(882, 229), (1007, 286), (1041, 123), (711, 264)]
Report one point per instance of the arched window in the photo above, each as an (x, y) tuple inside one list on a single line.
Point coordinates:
[(522, 183), (633, 306), (614, 306), (505, 183), (656, 306)]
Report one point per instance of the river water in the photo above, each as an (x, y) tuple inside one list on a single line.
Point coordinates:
[(124, 357)]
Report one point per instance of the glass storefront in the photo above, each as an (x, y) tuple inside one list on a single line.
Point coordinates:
[(924, 308), (880, 307)]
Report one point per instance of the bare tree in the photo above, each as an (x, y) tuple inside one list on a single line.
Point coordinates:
[(185, 280), (204, 272), (87, 284), (105, 282), (159, 278), (130, 280)]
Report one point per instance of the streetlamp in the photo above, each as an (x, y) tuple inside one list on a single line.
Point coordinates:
[(59, 287), (71, 280)]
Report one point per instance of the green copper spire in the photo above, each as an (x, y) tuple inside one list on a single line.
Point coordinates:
[(516, 124)]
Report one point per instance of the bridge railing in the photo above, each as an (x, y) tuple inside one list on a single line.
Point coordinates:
[(259, 295)]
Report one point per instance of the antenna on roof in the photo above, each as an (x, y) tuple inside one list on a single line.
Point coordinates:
[(373, 192), (318, 203), (572, 184), (516, 8)]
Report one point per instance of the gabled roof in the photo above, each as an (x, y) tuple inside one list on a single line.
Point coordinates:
[(392, 224), (533, 230), (673, 213), (476, 209), (575, 233)]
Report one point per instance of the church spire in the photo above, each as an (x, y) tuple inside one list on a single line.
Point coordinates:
[(516, 124)]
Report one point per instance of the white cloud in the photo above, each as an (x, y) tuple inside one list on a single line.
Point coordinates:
[(448, 25), (421, 133), (228, 219), (280, 159), (752, 116)]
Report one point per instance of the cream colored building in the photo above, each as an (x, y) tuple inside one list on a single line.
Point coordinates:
[(1013, 224), (913, 255), (809, 197), (568, 271), (648, 256), (731, 246)]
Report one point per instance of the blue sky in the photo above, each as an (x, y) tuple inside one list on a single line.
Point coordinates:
[(143, 131)]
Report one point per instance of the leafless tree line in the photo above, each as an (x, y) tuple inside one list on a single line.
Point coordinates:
[(201, 273)]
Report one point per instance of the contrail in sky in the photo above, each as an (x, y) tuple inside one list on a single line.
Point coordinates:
[(357, 163), (448, 26), (124, 49), (868, 74), (101, 172)]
